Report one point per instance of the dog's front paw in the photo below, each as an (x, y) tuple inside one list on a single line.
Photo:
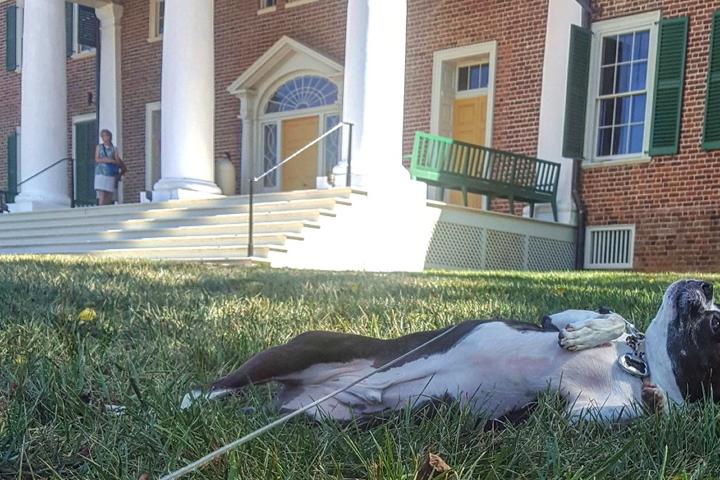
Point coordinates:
[(654, 398), (591, 333)]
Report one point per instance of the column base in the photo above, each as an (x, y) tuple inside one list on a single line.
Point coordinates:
[(184, 189), (28, 202)]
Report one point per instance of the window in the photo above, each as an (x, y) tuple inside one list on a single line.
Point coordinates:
[(157, 19), (84, 29), (622, 94), (621, 84), (473, 77), (153, 162), (270, 152), (303, 92), (267, 3), (331, 144)]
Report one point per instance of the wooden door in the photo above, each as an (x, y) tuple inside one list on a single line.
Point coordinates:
[(300, 173), (469, 123)]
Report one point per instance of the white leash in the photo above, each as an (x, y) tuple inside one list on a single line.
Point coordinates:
[(251, 436)]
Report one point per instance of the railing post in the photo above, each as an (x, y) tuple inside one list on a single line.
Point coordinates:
[(348, 174), (72, 182), (251, 246)]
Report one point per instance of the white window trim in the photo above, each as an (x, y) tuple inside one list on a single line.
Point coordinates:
[(77, 53), (154, 34), (266, 9), (457, 54), (297, 3), (149, 109), (648, 20)]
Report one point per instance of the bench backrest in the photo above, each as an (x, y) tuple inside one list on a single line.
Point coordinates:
[(433, 154)]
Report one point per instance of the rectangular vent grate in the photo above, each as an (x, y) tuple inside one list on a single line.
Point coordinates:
[(609, 247)]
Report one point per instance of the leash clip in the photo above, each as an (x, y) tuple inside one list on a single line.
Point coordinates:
[(634, 363)]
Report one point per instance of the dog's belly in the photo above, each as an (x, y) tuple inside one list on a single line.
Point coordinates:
[(494, 369)]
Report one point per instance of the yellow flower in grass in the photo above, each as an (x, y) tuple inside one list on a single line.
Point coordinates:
[(20, 360), (87, 315)]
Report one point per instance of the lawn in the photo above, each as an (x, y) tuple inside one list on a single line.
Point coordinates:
[(161, 329)]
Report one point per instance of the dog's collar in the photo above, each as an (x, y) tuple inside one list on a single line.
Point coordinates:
[(634, 363)]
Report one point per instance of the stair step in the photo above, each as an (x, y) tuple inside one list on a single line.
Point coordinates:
[(190, 253), (44, 236), (213, 203), (185, 213), (310, 217), (63, 245)]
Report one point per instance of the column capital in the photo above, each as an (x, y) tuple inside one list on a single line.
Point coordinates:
[(109, 15)]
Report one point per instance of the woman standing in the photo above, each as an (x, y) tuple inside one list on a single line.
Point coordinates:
[(109, 168)]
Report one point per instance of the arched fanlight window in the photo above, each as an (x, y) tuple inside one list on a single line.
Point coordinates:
[(307, 91)]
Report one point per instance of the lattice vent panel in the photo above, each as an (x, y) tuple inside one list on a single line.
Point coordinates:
[(549, 254), (505, 251), (456, 246)]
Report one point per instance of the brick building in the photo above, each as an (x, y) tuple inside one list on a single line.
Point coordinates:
[(622, 88)]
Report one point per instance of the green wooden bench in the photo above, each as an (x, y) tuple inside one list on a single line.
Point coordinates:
[(448, 163)]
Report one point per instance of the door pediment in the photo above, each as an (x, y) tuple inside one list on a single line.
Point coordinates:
[(283, 58)]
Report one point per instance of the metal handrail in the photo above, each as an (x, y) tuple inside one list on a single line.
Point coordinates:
[(3, 193), (254, 180)]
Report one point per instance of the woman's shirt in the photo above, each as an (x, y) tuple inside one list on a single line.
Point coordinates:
[(106, 169)]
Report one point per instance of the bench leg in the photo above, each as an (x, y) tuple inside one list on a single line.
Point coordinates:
[(465, 196), (532, 209), (555, 211), (512, 206)]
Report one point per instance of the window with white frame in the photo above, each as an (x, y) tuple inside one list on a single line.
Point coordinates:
[(473, 77), (81, 16), (157, 19), (267, 3), (621, 87)]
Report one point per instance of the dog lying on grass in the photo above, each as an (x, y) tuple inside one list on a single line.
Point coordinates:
[(499, 367)]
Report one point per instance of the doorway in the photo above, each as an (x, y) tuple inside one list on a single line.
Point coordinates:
[(469, 122), (300, 173), (84, 142)]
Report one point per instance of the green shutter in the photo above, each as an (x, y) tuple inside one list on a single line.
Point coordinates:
[(69, 50), (12, 154), (577, 92), (669, 80), (85, 141), (711, 130), (11, 60)]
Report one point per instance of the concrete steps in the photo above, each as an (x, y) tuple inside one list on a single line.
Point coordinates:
[(214, 230)]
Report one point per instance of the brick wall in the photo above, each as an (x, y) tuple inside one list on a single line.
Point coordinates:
[(519, 30), (674, 201)]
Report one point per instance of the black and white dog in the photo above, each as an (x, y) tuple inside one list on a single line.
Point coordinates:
[(497, 367)]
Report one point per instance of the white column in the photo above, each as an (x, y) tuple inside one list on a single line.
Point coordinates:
[(247, 153), (188, 102), (561, 14), (43, 138), (110, 73), (374, 90)]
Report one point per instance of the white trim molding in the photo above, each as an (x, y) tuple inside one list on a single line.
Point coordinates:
[(286, 59), (449, 59), (649, 21)]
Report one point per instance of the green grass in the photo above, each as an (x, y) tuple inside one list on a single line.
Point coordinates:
[(161, 329)]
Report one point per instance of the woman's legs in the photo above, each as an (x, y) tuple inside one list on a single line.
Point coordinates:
[(104, 198)]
